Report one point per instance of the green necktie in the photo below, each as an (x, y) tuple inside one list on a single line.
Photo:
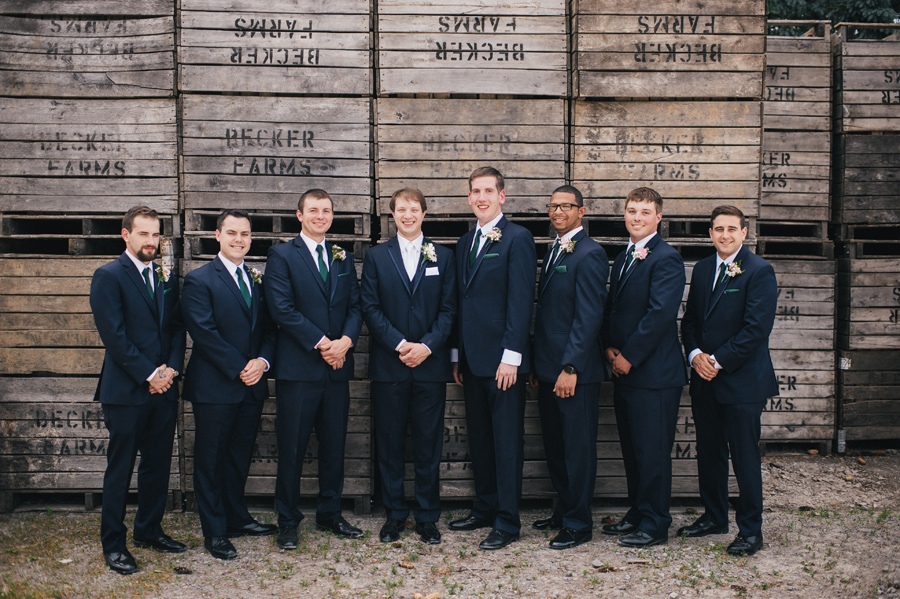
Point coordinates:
[(146, 273), (474, 253), (323, 268), (721, 277), (553, 254), (628, 260), (244, 290)]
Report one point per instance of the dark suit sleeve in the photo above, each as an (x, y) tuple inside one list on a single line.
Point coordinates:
[(520, 289), (177, 341), (197, 307), (280, 298), (109, 316), (666, 290), (689, 322), (604, 328), (590, 302), (442, 327), (759, 318), (381, 328), (353, 322), (269, 331)]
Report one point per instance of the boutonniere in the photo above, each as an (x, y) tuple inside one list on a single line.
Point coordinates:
[(255, 275), (570, 246), (494, 235), (733, 270), (163, 273), (640, 253), (428, 253), (338, 253)]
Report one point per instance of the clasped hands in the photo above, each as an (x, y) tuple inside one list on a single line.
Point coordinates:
[(617, 362), (413, 354), (163, 379), (334, 351), (506, 375), (705, 366)]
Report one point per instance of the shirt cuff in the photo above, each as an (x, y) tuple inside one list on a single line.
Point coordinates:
[(692, 355), (324, 338), (399, 345), (428, 348), (152, 375), (513, 358), (454, 354), (266, 369), (716, 365)]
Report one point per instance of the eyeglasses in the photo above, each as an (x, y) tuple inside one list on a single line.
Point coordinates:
[(551, 208)]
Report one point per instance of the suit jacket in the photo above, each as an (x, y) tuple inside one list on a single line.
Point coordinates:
[(226, 334), (421, 311), (734, 325), (306, 309), (496, 297), (641, 317), (571, 298), (139, 332)]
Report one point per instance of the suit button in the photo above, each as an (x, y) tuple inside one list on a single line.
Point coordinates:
[(705, 329), (467, 296)]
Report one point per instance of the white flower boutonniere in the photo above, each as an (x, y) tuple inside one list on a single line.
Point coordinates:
[(428, 253), (640, 253), (494, 235), (338, 253), (255, 275), (163, 273), (733, 270), (570, 246)]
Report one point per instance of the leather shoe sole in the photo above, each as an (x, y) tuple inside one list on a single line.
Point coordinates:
[(120, 563), (569, 538), (498, 539), (256, 529), (470, 523), (220, 548), (701, 529), (619, 528), (428, 533), (640, 538), (547, 524), (339, 527), (745, 545), (164, 544)]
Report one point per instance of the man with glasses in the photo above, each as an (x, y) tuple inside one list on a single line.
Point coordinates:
[(568, 365)]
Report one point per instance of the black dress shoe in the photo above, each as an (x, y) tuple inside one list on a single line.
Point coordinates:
[(391, 530), (702, 527), (339, 526), (220, 547), (745, 545), (551, 523), (470, 522), (163, 543), (120, 562), (287, 537), (622, 527), (569, 537), (428, 532), (254, 529), (639, 538), (498, 539)]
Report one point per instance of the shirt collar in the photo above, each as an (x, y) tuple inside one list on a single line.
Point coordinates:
[(491, 225), (140, 265), (310, 243), (569, 235), (643, 242), (728, 260), (405, 243), (229, 264)]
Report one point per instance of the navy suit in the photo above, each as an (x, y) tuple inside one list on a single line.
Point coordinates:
[(733, 325), (496, 296), (308, 390), (226, 334), (421, 311), (641, 321), (139, 333), (571, 297)]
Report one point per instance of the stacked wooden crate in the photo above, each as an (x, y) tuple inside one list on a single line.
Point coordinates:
[(70, 168), (276, 100), (866, 215)]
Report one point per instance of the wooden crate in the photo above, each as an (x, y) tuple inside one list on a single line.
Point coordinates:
[(867, 179), (795, 176), (798, 78), (870, 394), (262, 153), (281, 46), (56, 48), (358, 453), (866, 79), (87, 155), (54, 438), (472, 47), (434, 145), (671, 49), (869, 304), (697, 155)]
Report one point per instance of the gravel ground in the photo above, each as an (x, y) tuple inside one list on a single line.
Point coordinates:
[(832, 530)]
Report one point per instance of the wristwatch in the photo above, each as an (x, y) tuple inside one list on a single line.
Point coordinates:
[(569, 369)]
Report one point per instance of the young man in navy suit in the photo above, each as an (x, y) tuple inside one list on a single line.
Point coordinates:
[(569, 365), (725, 330), (408, 296), (641, 332), (313, 296), (234, 344), (496, 267), (135, 307)]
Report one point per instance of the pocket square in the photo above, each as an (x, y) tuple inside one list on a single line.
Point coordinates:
[(560, 268), (486, 256), (432, 271), (343, 274), (166, 291), (730, 290)]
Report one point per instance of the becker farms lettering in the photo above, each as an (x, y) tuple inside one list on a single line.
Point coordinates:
[(89, 27), (476, 24), (677, 52), (247, 137), (271, 28), (677, 24), (263, 165), (275, 56), (87, 168), (102, 47), (487, 51)]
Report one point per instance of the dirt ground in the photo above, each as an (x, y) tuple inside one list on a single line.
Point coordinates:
[(832, 530)]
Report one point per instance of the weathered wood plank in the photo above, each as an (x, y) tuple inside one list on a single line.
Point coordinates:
[(88, 7)]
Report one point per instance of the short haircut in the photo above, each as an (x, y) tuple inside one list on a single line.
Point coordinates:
[(727, 211), (487, 171), (316, 194), (645, 194), (408, 193), (146, 211), (235, 213), (579, 199)]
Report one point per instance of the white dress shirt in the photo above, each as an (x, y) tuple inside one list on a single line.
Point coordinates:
[(719, 261), (562, 242)]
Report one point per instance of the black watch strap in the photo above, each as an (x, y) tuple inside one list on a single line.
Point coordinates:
[(569, 369)]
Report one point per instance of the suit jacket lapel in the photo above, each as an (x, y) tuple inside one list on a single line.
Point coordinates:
[(138, 280), (420, 268), (482, 251), (721, 290), (397, 259), (228, 279), (255, 291), (563, 254), (333, 266), (159, 294), (307, 259), (637, 263)]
